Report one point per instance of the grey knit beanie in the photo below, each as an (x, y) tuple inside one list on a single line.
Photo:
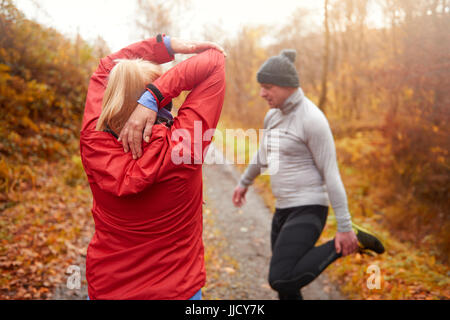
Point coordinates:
[(280, 70)]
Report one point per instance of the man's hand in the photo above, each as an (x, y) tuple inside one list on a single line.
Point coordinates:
[(346, 242), (239, 196), (190, 47), (131, 134)]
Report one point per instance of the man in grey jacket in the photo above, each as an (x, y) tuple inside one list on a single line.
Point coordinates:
[(306, 180)]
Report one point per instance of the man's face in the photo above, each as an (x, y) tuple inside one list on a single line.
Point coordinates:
[(274, 95)]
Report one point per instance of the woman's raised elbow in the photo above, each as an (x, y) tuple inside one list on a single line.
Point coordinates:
[(218, 57)]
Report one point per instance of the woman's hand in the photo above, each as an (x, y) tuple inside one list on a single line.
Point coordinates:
[(139, 126), (190, 47), (143, 119)]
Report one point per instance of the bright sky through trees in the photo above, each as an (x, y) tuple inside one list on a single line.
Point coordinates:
[(114, 20)]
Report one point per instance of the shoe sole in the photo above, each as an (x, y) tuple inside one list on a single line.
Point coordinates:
[(368, 240)]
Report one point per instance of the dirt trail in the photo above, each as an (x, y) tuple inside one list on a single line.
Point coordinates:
[(247, 233)]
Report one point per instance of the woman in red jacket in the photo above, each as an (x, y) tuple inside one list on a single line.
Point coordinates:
[(148, 210)]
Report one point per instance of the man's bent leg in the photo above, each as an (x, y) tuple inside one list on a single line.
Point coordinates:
[(309, 267), (295, 261)]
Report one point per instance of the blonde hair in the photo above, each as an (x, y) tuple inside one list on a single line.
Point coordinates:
[(126, 83)]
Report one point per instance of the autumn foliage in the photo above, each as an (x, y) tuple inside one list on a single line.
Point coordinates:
[(43, 84)]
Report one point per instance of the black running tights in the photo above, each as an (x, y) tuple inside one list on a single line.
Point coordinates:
[(295, 260)]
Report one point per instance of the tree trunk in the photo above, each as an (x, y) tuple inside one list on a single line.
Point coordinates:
[(323, 95)]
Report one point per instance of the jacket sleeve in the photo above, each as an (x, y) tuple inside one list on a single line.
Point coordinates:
[(152, 49), (255, 167), (321, 144), (259, 162), (204, 76)]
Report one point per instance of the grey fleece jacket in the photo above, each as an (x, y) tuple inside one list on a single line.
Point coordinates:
[(301, 158)]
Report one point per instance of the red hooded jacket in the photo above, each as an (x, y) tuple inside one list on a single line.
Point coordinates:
[(148, 212)]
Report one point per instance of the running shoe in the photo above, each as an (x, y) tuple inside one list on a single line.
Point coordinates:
[(367, 241)]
